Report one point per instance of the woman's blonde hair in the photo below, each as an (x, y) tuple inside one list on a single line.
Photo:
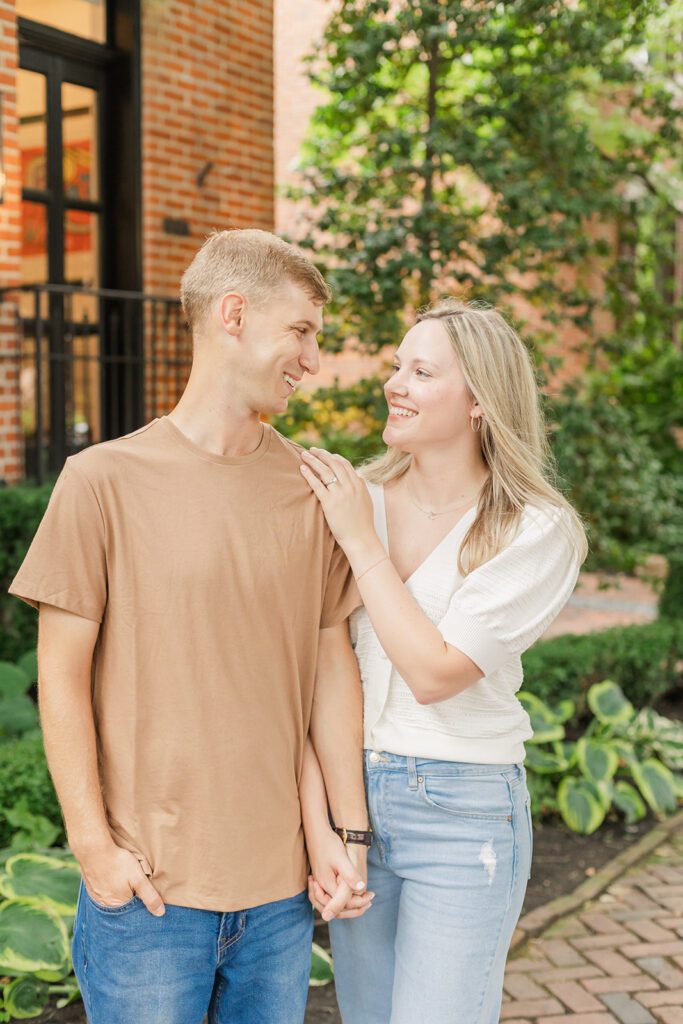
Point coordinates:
[(499, 374)]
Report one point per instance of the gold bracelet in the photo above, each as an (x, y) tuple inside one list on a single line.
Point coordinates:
[(373, 566)]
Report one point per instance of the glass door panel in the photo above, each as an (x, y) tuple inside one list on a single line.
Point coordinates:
[(31, 104), (82, 329), (85, 18), (80, 142)]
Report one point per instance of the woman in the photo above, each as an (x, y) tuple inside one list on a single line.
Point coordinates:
[(464, 552)]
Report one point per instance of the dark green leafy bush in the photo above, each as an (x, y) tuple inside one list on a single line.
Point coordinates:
[(21, 509), (671, 602), (24, 774), (614, 474), (646, 661)]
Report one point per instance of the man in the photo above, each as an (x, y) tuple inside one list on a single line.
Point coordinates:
[(189, 590)]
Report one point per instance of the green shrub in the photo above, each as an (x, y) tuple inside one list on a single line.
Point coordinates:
[(21, 509), (18, 711), (624, 759), (346, 420), (671, 601), (612, 470), (24, 774), (644, 660)]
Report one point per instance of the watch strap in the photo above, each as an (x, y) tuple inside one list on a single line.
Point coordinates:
[(355, 836)]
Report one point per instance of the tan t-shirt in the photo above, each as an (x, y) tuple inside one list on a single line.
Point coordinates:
[(211, 577)]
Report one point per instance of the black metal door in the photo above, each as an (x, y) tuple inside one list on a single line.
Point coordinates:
[(71, 197), (80, 141)]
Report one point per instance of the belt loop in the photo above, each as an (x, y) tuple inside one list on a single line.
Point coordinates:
[(412, 772)]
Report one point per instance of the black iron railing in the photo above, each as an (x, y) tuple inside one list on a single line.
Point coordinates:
[(89, 364)]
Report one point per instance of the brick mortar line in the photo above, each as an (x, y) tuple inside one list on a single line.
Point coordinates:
[(539, 920)]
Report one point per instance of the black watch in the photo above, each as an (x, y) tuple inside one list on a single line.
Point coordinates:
[(355, 836)]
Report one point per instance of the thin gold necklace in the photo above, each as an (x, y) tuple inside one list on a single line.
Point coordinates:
[(435, 515)]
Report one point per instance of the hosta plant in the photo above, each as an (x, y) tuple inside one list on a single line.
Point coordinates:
[(625, 760), (38, 895)]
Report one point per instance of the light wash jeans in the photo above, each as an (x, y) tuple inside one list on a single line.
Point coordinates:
[(244, 967), (449, 865)]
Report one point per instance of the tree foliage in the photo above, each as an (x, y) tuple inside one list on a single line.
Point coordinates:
[(479, 145)]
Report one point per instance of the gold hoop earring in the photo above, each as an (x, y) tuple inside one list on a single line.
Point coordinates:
[(477, 420)]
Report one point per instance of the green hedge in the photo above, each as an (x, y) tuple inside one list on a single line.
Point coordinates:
[(24, 773), (21, 509), (646, 661), (671, 601)]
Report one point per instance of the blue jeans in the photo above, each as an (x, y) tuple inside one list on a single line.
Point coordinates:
[(449, 865), (247, 967)]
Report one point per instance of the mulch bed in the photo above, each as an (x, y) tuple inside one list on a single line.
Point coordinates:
[(562, 860)]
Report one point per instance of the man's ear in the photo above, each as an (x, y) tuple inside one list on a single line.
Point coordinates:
[(231, 310)]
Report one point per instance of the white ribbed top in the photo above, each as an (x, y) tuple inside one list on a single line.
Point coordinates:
[(493, 615)]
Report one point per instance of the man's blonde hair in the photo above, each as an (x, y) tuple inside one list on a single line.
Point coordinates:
[(252, 262)]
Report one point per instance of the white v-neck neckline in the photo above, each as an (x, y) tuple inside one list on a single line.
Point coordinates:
[(384, 524)]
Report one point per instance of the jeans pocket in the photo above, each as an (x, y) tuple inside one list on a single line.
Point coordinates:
[(483, 798), (122, 908)]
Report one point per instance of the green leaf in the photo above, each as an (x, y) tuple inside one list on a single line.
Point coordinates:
[(608, 703), (628, 800), (322, 971), (33, 937), (28, 663), (597, 761), (544, 762), (46, 878), (33, 830), (657, 785), (18, 715), (581, 805), (54, 976), (671, 754), (25, 997), (564, 710), (545, 724), (624, 750), (72, 993), (13, 680)]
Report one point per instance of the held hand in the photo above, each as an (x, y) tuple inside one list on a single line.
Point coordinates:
[(355, 906), (343, 496), (113, 876), (339, 874)]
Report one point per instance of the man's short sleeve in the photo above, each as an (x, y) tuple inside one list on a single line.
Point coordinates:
[(65, 565), (341, 593)]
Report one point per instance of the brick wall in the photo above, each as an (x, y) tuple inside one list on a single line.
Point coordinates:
[(298, 27), (207, 142), (208, 98), (10, 242)]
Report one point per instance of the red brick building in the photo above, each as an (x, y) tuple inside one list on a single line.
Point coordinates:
[(129, 129)]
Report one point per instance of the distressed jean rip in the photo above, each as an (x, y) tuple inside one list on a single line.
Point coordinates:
[(487, 857)]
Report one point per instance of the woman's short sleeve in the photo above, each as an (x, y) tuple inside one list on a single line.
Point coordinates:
[(507, 603)]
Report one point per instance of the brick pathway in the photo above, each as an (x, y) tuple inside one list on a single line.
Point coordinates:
[(628, 601), (617, 960)]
